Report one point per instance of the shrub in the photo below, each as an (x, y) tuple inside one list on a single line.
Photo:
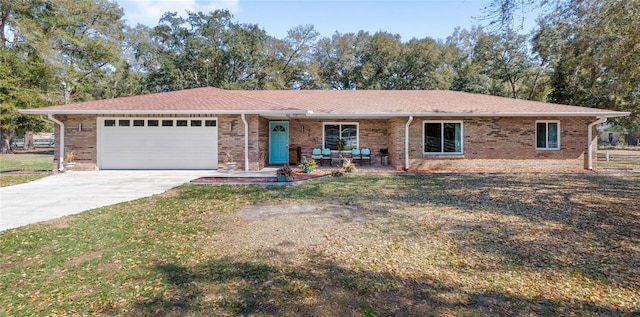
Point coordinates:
[(308, 165), (285, 171), (337, 173), (348, 166)]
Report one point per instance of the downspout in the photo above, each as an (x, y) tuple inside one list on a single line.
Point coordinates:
[(58, 122), (590, 142), (406, 143), (46, 120), (246, 142)]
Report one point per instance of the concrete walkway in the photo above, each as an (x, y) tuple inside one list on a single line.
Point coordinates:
[(74, 192)]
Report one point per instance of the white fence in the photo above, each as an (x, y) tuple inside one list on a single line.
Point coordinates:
[(19, 142)]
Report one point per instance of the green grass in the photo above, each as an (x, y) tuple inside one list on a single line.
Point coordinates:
[(10, 180), (461, 245), (24, 162)]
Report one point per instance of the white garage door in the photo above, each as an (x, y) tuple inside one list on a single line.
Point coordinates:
[(157, 143)]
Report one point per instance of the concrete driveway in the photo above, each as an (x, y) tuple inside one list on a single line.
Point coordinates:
[(74, 192)]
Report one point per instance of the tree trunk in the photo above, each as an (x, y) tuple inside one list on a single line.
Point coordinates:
[(28, 141), (5, 9), (5, 140), (66, 92)]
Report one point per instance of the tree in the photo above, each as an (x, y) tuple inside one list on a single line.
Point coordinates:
[(592, 45), (380, 61), (468, 75), (427, 64), (80, 38), (202, 50), (336, 59), (24, 81), (25, 78), (288, 61), (505, 15), (506, 59)]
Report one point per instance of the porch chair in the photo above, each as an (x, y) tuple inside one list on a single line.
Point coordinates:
[(316, 155), (356, 156), (365, 155), (326, 155)]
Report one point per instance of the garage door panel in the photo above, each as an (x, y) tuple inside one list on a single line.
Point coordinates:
[(157, 147)]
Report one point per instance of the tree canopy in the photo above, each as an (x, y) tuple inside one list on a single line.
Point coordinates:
[(586, 53)]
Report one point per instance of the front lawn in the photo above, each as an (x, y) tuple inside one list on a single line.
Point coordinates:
[(363, 245), (10, 180), (34, 161), (24, 167)]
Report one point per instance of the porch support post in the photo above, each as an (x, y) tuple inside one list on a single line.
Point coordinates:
[(246, 142), (590, 141), (61, 136), (406, 143)]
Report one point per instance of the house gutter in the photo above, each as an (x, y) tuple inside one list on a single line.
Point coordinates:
[(406, 143), (464, 114), (246, 142), (58, 122), (590, 141), (167, 112)]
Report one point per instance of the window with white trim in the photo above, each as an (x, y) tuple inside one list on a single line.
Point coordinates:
[(442, 137), (343, 132), (548, 135)]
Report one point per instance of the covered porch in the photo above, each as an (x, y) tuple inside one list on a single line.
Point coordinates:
[(292, 140)]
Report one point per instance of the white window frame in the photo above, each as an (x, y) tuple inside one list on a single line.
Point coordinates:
[(442, 122), (547, 148), (341, 124)]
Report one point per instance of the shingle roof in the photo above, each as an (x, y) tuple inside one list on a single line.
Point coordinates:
[(324, 103)]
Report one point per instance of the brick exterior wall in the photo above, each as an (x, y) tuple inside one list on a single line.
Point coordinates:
[(397, 141), (80, 137), (505, 144), (490, 144), (308, 134), (231, 140), (263, 142)]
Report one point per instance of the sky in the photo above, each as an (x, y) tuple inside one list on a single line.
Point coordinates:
[(408, 18)]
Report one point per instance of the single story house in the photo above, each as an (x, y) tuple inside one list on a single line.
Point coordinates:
[(435, 130)]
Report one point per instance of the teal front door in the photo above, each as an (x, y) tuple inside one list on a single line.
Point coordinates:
[(278, 142)]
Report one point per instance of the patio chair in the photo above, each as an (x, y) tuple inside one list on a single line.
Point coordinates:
[(316, 155), (326, 155), (365, 155), (356, 156)]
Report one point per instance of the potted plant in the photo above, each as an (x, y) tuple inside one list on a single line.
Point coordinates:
[(308, 165), (285, 173), (229, 162), (68, 161), (341, 145)]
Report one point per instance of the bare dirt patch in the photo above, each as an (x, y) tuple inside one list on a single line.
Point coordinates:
[(285, 233), (265, 210), (82, 258), (58, 223), (27, 172)]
